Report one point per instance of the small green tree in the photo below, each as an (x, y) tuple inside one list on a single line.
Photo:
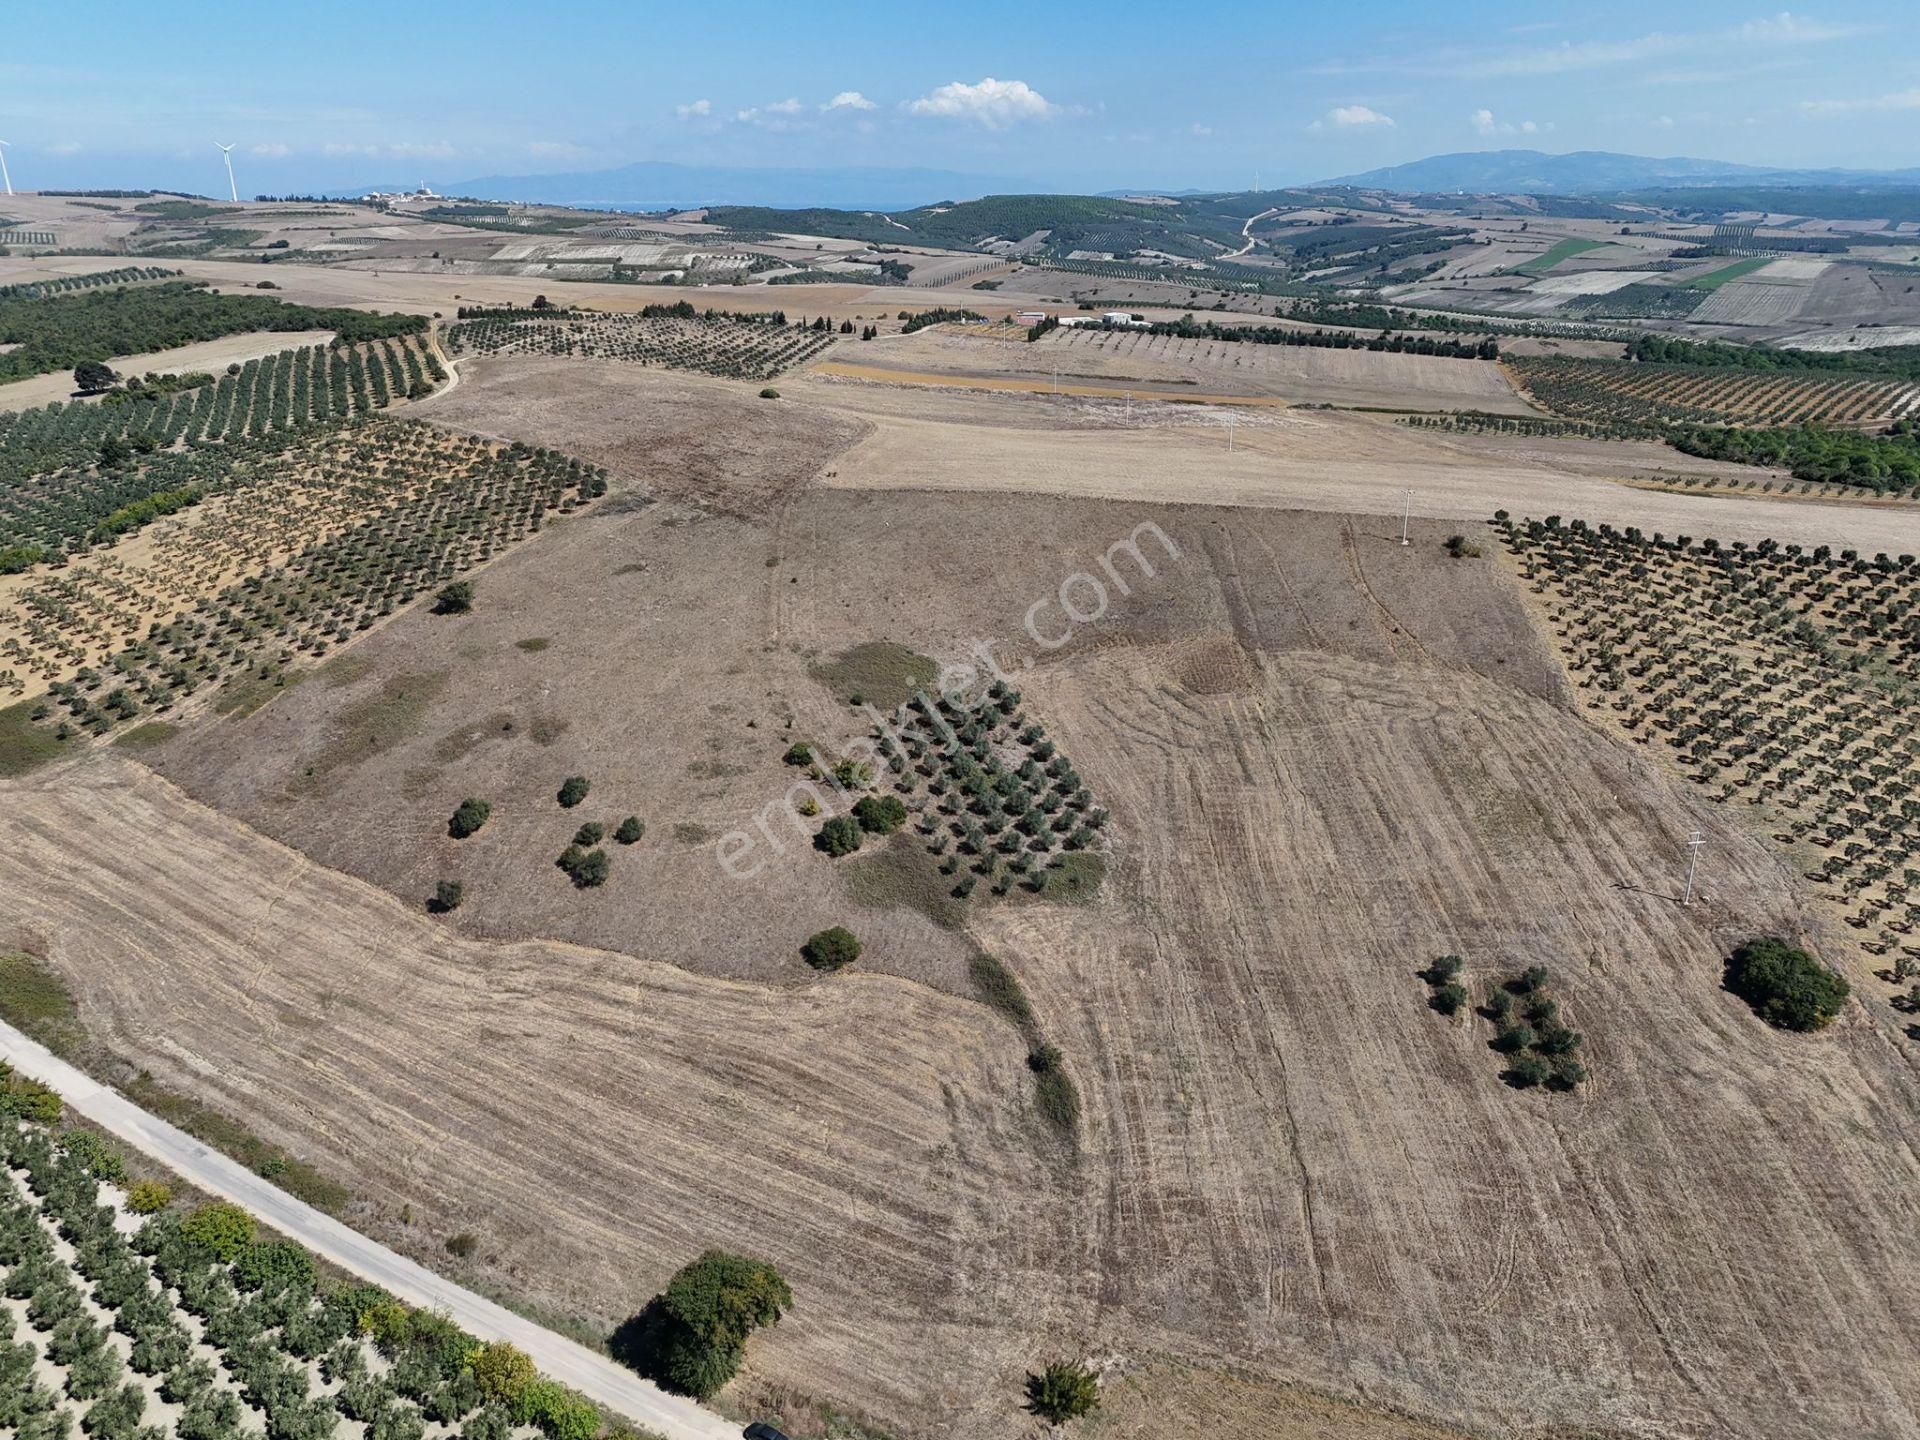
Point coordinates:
[(149, 1197), (447, 895), (708, 1311), (590, 833), (880, 814), (630, 831), (573, 790), (454, 599), (839, 836), (831, 949), (90, 377), (503, 1371), (1063, 1391), (1448, 998), (469, 817), (220, 1228), (799, 753), (1785, 985), (1527, 1071)]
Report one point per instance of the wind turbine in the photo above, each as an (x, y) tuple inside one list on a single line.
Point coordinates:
[(3, 167), (232, 190)]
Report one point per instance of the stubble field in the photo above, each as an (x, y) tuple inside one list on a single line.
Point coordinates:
[(1328, 760)]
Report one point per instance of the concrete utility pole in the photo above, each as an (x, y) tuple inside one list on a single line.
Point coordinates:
[(1693, 863), (1406, 517)]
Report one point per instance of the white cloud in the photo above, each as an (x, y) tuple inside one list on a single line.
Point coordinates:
[(1787, 28), (1899, 100), (849, 100), (698, 110), (785, 107), (1199, 130), (1348, 117), (270, 152), (1484, 124), (992, 103), (1665, 122), (65, 147)]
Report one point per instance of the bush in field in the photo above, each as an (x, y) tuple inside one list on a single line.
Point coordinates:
[(1448, 998), (1063, 1391), (503, 1371), (222, 1229), (447, 895), (880, 814), (630, 831), (832, 949), (469, 817), (556, 1412), (572, 791), (702, 1321), (149, 1197), (274, 1265), (589, 834), (90, 377), (586, 868), (839, 836), (453, 599), (799, 753), (1527, 1071), (1785, 985), (101, 1160)]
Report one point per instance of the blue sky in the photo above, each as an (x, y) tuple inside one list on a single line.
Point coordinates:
[(1065, 95)]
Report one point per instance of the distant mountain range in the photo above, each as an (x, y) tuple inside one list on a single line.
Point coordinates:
[(662, 185), (1594, 172)]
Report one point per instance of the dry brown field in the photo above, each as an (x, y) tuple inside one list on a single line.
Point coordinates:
[(1328, 758), (1298, 1200)]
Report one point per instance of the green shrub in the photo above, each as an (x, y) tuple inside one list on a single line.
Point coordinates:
[(589, 834), (1527, 1071), (880, 814), (1514, 1037), (573, 790), (469, 817), (101, 1160), (832, 949), (149, 1197), (273, 1264), (707, 1312), (447, 896), (454, 599), (799, 753), (222, 1229), (1063, 1391), (769, 393), (1531, 979), (1448, 998), (586, 868), (630, 831), (1785, 985), (1446, 968), (839, 836), (1000, 988), (1461, 548), (503, 1371)]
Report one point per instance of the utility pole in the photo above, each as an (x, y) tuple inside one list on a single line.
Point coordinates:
[(1406, 517), (1229, 429), (1693, 862)]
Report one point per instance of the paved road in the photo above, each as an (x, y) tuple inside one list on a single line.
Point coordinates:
[(594, 1376)]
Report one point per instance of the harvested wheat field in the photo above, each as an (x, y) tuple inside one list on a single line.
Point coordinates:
[(1328, 760)]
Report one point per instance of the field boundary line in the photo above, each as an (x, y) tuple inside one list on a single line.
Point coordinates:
[(595, 1376)]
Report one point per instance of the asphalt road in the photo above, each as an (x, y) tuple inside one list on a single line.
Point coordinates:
[(559, 1358)]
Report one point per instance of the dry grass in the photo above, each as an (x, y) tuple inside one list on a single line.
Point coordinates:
[(1328, 759)]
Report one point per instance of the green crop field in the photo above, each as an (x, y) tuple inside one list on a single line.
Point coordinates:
[(1714, 279), (1566, 249)]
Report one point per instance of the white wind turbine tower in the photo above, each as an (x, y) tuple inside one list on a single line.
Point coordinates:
[(3, 167), (232, 190)]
